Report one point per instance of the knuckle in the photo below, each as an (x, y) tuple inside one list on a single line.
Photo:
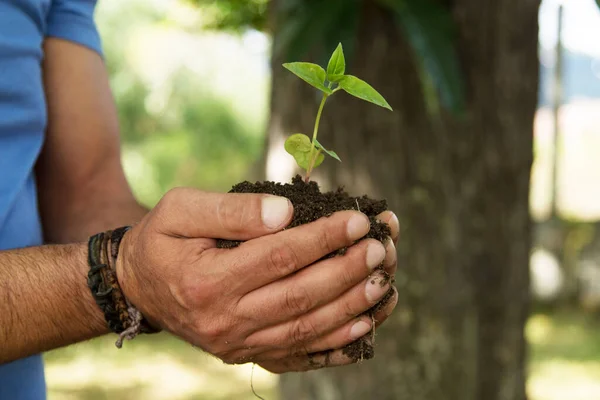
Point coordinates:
[(348, 310), (232, 358), (282, 260), (215, 332), (302, 331), (297, 301), (234, 214), (326, 240), (166, 204), (193, 295), (172, 196), (347, 277)]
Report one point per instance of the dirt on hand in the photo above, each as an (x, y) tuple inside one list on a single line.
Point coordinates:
[(309, 205)]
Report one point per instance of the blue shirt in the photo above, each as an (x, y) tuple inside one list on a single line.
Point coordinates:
[(23, 26)]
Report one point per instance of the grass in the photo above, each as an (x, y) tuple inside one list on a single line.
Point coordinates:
[(564, 363), (564, 356), (151, 367)]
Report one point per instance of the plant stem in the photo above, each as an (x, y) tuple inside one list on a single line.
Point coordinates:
[(313, 156)]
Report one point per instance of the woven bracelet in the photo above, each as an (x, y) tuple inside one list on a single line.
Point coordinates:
[(130, 316), (121, 316)]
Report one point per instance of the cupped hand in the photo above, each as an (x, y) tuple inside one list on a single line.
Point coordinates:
[(273, 300)]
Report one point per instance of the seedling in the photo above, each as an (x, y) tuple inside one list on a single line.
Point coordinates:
[(308, 153)]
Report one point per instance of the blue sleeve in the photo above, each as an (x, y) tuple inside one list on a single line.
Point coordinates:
[(73, 20)]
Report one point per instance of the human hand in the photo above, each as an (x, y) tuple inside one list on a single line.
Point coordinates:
[(268, 301)]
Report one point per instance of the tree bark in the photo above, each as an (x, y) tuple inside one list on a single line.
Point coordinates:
[(460, 188)]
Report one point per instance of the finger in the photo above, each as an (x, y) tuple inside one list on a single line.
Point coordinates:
[(193, 213), (391, 220), (391, 257), (314, 286), (272, 257), (350, 332), (337, 339), (294, 335), (332, 358), (387, 308)]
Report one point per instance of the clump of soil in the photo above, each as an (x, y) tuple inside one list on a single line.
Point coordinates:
[(309, 205)]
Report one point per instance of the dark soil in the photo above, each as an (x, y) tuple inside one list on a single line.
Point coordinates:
[(309, 205)]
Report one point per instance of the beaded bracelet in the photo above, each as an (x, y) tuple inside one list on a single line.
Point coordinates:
[(121, 316)]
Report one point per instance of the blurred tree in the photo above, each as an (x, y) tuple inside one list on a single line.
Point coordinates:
[(459, 182)]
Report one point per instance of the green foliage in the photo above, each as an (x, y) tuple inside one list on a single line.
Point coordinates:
[(234, 15), (201, 136), (337, 64), (309, 154), (308, 24), (429, 28), (361, 89), (330, 152), (310, 73), (299, 146)]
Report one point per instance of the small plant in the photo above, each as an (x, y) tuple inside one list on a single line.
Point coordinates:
[(309, 153)]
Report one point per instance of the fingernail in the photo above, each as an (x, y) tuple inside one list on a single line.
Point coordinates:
[(358, 226), (375, 290), (275, 211), (375, 255), (390, 253), (391, 306), (359, 329), (394, 221)]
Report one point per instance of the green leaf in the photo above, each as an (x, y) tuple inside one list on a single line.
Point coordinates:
[(330, 152), (311, 73), (337, 63), (361, 89), (319, 160), (299, 146), (430, 30), (335, 78)]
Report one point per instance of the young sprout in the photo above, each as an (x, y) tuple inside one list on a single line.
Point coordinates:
[(309, 153)]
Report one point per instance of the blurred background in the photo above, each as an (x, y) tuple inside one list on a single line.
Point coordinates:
[(192, 81)]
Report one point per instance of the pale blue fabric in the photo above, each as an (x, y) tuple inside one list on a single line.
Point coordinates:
[(23, 26)]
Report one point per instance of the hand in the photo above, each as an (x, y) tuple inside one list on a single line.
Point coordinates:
[(268, 301)]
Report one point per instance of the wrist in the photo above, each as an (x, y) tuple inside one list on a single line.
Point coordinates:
[(126, 277), (122, 267), (121, 315)]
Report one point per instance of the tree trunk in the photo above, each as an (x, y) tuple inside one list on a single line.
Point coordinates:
[(460, 188)]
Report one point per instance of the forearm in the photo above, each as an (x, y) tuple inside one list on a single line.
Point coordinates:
[(44, 300), (81, 184)]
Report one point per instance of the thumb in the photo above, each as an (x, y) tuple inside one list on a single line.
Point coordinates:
[(193, 213)]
